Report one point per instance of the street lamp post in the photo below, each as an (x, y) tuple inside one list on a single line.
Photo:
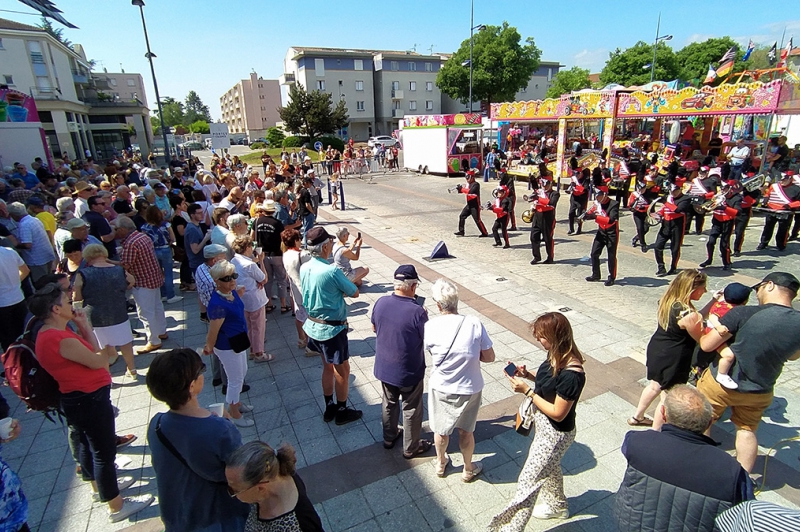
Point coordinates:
[(472, 28), (150, 55), (655, 47)]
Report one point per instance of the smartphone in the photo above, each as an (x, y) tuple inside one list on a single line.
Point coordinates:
[(419, 300), (511, 369), (359, 235)]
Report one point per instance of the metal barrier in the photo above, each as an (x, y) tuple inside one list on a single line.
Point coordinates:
[(340, 193)]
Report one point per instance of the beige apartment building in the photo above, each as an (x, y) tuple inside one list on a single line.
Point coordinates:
[(251, 106)]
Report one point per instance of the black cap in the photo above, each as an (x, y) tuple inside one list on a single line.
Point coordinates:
[(736, 293), (317, 235), (405, 272), (786, 280)]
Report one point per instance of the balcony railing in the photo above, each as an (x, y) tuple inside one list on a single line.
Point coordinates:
[(397, 94), (398, 113), (45, 93)]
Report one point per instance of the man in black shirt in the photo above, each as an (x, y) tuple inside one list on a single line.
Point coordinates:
[(673, 216), (306, 207), (714, 145), (722, 222), (605, 212), (267, 235), (473, 206), (779, 161), (176, 182), (99, 226), (543, 226), (122, 205)]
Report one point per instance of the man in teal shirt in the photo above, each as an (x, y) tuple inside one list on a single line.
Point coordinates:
[(324, 288)]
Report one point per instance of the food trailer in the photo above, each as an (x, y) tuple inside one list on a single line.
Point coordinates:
[(442, 144)]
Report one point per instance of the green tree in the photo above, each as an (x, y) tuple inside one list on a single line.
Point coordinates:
[(758, 58), (56, 33), (173, 111), (195, 109), (275, 136), (502, 65), (155, 123), (694, 58), (566, 81), (199, 126), (312, 114), (630, 66)]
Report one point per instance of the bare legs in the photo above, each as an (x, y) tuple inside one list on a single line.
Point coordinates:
[(649, 395), (466, 443), (336, 376)]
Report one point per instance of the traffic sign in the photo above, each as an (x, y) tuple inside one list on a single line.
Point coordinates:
[(318, 145), (219, 136)]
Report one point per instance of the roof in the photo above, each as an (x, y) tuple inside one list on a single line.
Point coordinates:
[(6, 24), (346, 51)]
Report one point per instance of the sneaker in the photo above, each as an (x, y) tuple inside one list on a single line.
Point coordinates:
[(244, 407), (459, 233), (163, 298), (124, 441), (346, 415), (130, 506), (243, 422), (330, 412), (311, 353), (672, 271), (662, 272), (123, 483), (592, 279), (131, 374), (174, 299), (737, 254), (726, 381), (535, 261), (542, 511), (761, 246)]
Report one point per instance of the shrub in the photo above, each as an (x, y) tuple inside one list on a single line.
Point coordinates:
[(275, 136), (334, 142), (258, 146), (293, 142)]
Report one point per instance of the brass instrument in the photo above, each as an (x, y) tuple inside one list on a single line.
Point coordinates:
[(751, 184), (454, 189), (713, 204), (653, 217), (488, 206)]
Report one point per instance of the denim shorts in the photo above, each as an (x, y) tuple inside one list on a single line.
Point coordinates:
[(335, 350)]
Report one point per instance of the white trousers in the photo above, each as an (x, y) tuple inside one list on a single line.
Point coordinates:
[(151, 313), (235, 365)]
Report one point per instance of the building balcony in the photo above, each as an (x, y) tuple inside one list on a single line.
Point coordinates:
[(46, 93), (397, 94), (80, 77), (287, 78), (398, 113)]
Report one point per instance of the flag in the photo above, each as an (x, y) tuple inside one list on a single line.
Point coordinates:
[(785, 53), (711, 76), (772, 55), (750, 48), (730, 55), (726, 62)]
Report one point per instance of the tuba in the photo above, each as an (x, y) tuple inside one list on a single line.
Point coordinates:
[(751, 184), (653, 216)]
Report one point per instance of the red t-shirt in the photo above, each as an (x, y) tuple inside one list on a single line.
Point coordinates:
[(719, 309), (70, 376)]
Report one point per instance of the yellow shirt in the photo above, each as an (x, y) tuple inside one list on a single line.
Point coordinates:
[(48, 220)]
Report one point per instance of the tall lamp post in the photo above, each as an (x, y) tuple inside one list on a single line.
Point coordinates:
[(150, 55), (655, 47), (472, 28)]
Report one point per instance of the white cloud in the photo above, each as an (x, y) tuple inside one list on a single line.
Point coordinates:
[(593, 60), (698, 37)]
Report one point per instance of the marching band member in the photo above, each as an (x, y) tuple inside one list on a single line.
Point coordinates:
[(783, 196), (624, 175), (473, 206), (507, 180), (605, 212), (796, 229), (501, 207), (722, 223), (579, 198), (703, 186), (639, 203), (749, 199), (673, 216), (544, 219)]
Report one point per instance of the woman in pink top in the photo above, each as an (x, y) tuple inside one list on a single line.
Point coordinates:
[(82, 375)]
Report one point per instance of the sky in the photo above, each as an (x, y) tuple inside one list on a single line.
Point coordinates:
[(208, 45)]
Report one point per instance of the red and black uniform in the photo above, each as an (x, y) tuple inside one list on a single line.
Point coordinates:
[(796, 229), (607, 236), (672, 229), (544, 223), (722, 228), (501, 208), (624, 175), (578, 199), (639, 202), (780, 199), (749, 199), (702, 190), (507, 181), (472, 208)]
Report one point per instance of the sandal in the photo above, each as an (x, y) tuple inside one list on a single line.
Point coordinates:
[(440, 468), (644, 422), (390, 444), (264, 358), (285, 309), (302, 344), (423, 447), (270, 307), (469, 476)]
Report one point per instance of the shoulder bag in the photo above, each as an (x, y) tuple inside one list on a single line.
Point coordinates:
[(451, 343), (524, 421)]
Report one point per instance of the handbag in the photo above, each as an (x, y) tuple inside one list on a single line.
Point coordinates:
[(239, 342), (179, 254), (524, 421)]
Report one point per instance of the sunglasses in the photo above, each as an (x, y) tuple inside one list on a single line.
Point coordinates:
[(229, 278), (237, 493)]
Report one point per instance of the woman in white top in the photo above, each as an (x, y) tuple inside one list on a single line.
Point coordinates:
[(237, 224), (219, 234), (343, 254), (209, 186), (458, 344), (252, 277), (293, 258)]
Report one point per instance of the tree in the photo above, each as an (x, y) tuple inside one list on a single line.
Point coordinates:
[(631, 66), (501, 66), (173, 111), (180, 130), (199, 126), (695, 58), (758, 58), (312, 114), (566, 81), (155, 124), (275, 136), (56, 33), (195, 109)]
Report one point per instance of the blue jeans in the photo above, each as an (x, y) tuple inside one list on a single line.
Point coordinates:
[(164, 256), (488, 173), (308, 223)]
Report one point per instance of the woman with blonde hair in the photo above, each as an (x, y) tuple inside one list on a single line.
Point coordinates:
[(252, 278), (669, 352), (559, 382)]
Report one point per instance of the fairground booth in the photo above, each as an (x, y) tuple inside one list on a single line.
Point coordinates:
[(442, 144)]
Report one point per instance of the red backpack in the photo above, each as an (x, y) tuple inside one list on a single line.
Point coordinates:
[(26, 377)]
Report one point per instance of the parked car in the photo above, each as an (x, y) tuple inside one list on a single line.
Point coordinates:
[(191, 145), (383, 140)]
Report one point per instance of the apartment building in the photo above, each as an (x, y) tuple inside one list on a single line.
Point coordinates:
[(123, 85), (77, 108), (251, 106)]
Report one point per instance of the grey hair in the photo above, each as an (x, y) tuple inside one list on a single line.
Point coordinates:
[(258, 461), (124, 222), (341, 231), (65, 204), (268, 195), (687, 408), (316, 250), (221, 269), (149, 195), (17, 209), (445, 294), (406, 285), (236, 219)]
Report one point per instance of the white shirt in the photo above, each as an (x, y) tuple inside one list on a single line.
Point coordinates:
[(81, 207), (227, 204), (459, 370), (250, 275), (738, 155), (10, 289), (292, 260)]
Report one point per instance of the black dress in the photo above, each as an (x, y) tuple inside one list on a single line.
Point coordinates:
[(669, 353)]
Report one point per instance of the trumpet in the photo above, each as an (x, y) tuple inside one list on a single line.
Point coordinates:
[(495, 192), (714, 203), (455, 189), (488, 206)]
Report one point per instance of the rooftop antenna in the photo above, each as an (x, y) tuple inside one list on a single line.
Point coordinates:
[(430, 50), (414, 48)]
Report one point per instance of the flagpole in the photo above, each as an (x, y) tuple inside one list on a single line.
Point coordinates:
[(783, 37)]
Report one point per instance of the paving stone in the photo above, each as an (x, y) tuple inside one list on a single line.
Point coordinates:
[(348, 510)]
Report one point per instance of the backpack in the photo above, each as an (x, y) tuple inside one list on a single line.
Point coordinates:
[(26, 377)]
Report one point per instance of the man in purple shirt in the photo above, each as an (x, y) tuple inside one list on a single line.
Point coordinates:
[(399, 321)]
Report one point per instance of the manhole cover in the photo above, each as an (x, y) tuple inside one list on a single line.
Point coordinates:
[(564, 309), (501, 279)]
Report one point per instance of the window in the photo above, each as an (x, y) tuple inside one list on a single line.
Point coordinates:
[(8, 79), (358, 64), (412, 66), (549, 74), (112, 82), (429, 105), (395, 85), (131, 83), (37, 57), (359, 106), (319, 67), (428, 67), (45, 116), (395, 65), (412, 105), (359, 85), (412, 85), (429, 86), (320, 84)]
